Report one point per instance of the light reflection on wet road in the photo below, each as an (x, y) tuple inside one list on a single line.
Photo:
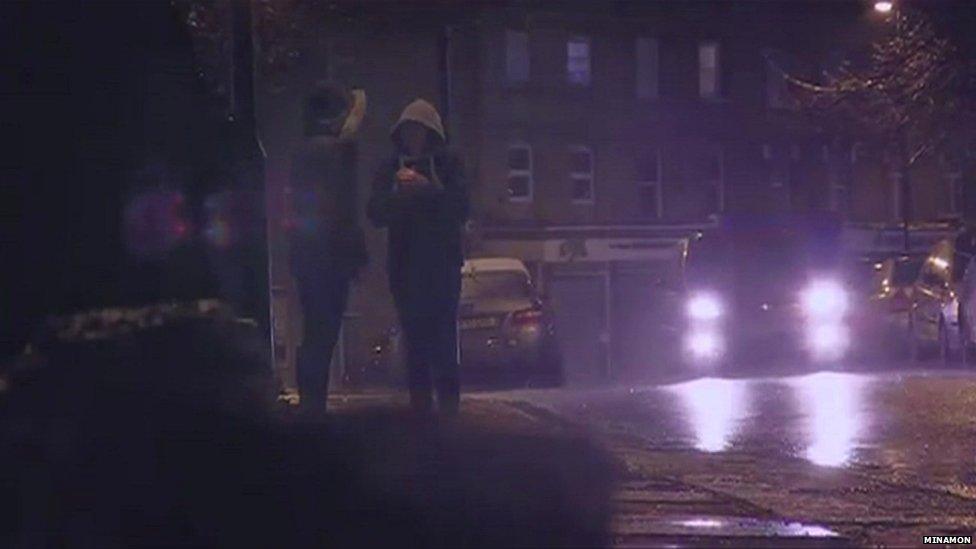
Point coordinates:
[(916, 421), (918, 424), (880, 457), (827, 411), (714, 410)]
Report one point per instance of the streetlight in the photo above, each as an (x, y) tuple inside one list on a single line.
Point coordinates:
[(884, 6)]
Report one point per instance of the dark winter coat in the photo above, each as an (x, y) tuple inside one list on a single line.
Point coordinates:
[(425, 226)]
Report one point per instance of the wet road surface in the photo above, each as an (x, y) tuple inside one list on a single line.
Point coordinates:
[(820, 458)]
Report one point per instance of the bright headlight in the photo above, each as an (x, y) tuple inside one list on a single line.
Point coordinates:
[(704, 307), (825, 299)]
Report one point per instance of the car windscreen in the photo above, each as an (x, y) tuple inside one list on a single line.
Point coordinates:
[(906, 271), (494, 285), (865, 276), (770, 264)]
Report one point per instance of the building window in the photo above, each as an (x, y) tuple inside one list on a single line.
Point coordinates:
[(578, 61), (777, 167), (581, 173), (715, 177), (649, 191), (896, 189), (840, 199), (778, 65), (521, 184), (648, 63), (956, 195), (839, 191), (709, 70), (516, 57)]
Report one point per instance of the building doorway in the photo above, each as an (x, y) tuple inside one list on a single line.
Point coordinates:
[(579, 301)]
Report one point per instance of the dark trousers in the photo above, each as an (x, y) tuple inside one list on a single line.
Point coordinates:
[(323, 295), (430, 329)]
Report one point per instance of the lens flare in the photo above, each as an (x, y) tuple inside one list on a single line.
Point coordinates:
[(705, 344), (828, 341), (155, 223), (704, 307)]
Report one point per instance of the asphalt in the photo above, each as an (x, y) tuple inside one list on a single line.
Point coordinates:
[(828, 458)]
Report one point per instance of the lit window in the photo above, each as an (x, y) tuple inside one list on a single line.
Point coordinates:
[(708, 70), (649, 191), (521, 184), (516, 57), (581, 173), (578, 61), (647, 68)]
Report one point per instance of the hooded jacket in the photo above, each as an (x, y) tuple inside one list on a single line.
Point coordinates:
[(424, 228), (323, 227)]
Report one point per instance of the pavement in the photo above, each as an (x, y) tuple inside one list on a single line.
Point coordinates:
[(170, 436), (829, 458)]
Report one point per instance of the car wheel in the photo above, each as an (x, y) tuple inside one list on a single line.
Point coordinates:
[(896, 346), (914, 348), (967, 354), (921, 350), (966, 349)]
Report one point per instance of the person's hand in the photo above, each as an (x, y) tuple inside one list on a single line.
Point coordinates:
[(409, 178), (405, 175)]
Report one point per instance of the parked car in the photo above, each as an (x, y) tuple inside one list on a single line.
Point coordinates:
[(935, 323), (881, 290), (966, 329), (507, 332)]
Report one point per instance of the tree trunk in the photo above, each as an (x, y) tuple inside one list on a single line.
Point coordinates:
[(905, 189)]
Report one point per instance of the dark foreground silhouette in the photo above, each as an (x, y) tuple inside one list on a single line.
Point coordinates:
[(169, 438)]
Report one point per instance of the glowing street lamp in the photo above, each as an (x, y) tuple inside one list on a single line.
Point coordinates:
[(884, 6)]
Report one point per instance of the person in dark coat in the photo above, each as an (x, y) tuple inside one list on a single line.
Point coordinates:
[(421, 197), (326, 243)]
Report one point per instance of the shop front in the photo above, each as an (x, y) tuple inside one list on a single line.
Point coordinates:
[(604, 286)]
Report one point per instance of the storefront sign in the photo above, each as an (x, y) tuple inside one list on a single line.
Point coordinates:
[(607, 249)]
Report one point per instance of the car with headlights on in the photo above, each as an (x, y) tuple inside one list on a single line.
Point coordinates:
[(507, 333), (759, 288)]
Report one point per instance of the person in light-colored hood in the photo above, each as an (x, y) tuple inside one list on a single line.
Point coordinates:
[(421, 197)]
